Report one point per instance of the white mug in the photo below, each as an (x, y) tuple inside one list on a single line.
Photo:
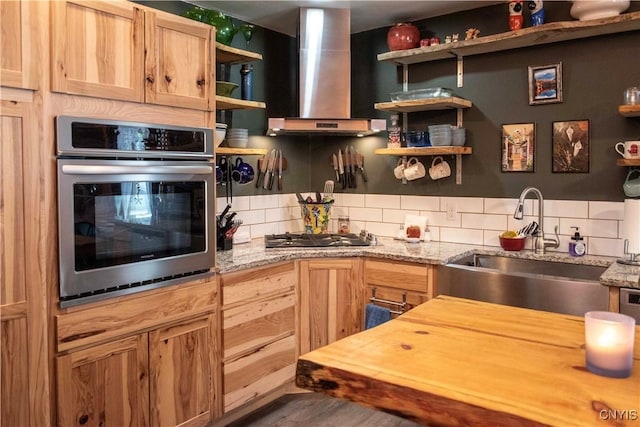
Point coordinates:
[(398, 171), (629, 149), (414, 169)]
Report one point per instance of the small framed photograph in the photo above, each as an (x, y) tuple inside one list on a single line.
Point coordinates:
[(518, 147), (545, 84), (571, 146)]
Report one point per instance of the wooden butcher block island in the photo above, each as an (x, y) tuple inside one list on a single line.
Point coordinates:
[(457, 362)]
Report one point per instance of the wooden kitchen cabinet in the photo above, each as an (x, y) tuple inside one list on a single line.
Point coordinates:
[(398, 281), (258, 332), (155, 350), (160, 378), (330, 301), (118, 50), (21, 57), (24, 383), (106, 385)]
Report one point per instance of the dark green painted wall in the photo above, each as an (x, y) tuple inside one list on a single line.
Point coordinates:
[(596, 71)]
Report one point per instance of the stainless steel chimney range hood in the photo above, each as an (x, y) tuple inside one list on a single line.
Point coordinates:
[(325, 79)]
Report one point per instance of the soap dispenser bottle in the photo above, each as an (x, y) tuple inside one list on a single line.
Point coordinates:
[(576, 245)]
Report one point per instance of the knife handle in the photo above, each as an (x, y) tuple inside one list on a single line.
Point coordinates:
[(337, 176), (364, 174), (344, 180), (259, 179), (279, 182), (273, 178)]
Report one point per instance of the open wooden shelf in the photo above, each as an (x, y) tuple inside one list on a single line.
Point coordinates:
[(424, 104), (629, 110), (231, 55), (230, 151), (227, 103), (423, 151), (628, 162), (552, 32)]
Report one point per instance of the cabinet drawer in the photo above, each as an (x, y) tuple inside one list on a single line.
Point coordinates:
[(255, 324), (246, 285), (259, 372), (410, 277)]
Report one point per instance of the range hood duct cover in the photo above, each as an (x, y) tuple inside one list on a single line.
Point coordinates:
[(325, 78)]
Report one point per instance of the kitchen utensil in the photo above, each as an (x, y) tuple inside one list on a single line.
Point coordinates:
[(414, 170), (354, 166), (268, 174), (279, 170), (328, 190), (272, 169), (300, 198), (528, 229), (263, 169), (361, 166), (628, 149), (335, 167), (440, 169), (341, 169), (221, 132)]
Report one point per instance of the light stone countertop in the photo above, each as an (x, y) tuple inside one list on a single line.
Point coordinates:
[(254, 254)]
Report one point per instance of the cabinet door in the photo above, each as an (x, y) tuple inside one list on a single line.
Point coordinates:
[(20, 57), (24, 377), (97, 49), (180, 367), (106, 385), (330, 300), (179, 64)]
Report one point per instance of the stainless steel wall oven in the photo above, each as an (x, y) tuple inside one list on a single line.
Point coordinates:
[(134, 201)]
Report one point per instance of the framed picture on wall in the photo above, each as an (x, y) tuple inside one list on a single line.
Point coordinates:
[(545, 84), (571, 146), (518, 147)]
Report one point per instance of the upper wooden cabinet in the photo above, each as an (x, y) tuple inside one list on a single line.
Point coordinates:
[(117, 50), (20, 59)]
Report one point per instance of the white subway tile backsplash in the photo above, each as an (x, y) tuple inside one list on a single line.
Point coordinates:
[(606, 210), (476, 220), (463, 204), (382, 201), (365, 214), (484, 221), (423, 203), (396, 215), (461, 235), (566, 208)]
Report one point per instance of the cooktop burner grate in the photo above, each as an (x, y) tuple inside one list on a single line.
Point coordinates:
[(292, 240)]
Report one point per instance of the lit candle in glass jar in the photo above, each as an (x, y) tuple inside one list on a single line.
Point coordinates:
[(609, 343)]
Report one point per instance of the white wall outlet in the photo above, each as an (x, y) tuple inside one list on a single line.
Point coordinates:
[(451, 212)]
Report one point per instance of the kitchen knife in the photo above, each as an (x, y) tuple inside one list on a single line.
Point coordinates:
[(355, 164), (352, 178), (335, 167), (347, 172), (263, 169), (341, 169), (280, 170), (271, 170), (265, 183), (361, 166)]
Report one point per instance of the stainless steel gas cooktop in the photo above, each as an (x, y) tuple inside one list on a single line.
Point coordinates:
[(292, 240)]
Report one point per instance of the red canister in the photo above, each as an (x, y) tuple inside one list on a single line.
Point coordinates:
[(403, 36)]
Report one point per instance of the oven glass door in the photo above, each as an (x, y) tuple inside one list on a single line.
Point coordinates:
[(131, 216)]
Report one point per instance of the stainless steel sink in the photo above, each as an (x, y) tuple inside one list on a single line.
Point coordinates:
[(538, 284)]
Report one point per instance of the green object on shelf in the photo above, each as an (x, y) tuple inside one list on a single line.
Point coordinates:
[(225, 29)]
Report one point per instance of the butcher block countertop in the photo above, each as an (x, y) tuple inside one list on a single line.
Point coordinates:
[(457, 362)]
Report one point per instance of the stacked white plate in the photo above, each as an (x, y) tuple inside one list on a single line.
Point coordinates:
[(237, 137)]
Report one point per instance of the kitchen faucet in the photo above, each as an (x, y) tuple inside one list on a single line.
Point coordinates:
[(541, 243)]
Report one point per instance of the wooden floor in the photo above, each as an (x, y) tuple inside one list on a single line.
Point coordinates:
[(317, 410)]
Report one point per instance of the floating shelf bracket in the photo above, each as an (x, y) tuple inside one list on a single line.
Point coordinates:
[(460, 71)]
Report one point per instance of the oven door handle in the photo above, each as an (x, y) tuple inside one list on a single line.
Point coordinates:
[(137, 169)]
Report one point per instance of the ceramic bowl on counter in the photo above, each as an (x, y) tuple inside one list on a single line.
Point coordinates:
[(512, 243)]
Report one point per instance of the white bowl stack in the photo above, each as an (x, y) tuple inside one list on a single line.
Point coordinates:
[(237, 137), (440, 135), (221, 131), (458, 136)]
